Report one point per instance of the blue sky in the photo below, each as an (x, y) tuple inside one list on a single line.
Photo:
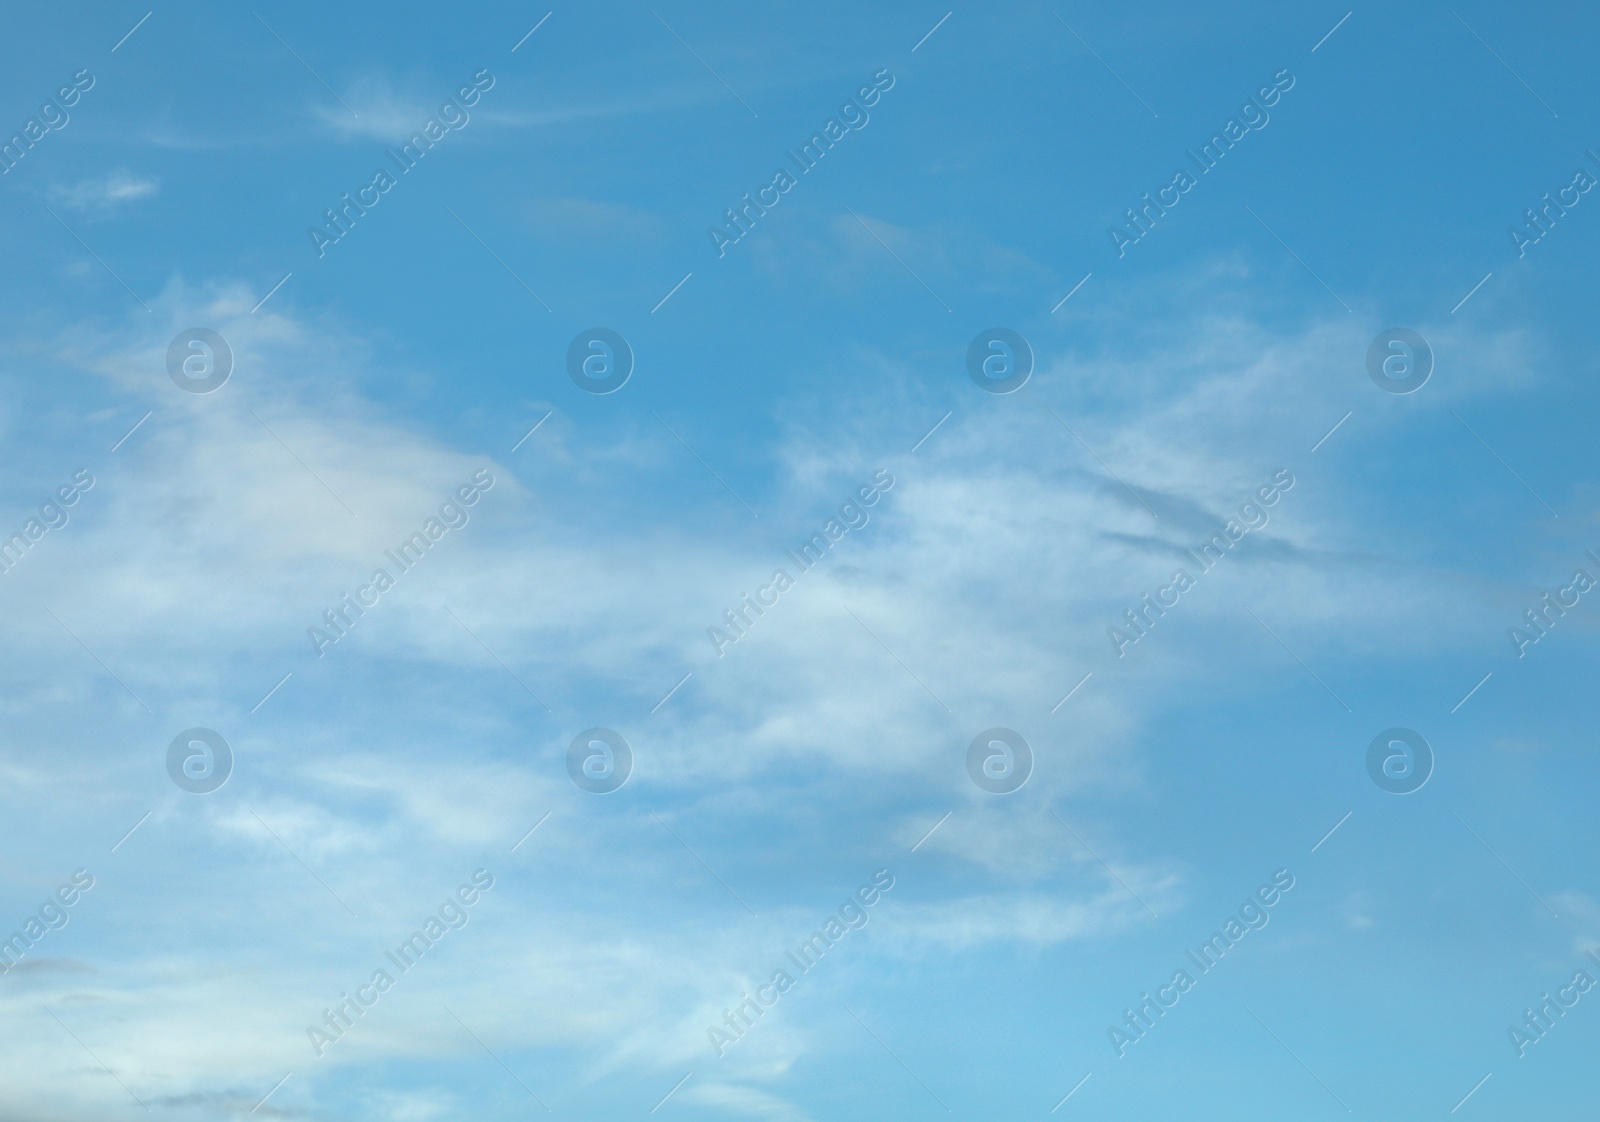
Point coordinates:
[(827, 348)]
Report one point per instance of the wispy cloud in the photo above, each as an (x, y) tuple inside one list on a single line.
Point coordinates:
[(107, 193), (195, 567)]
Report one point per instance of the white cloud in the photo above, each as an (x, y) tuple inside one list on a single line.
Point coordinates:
[(107, 193), (407, 755)]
